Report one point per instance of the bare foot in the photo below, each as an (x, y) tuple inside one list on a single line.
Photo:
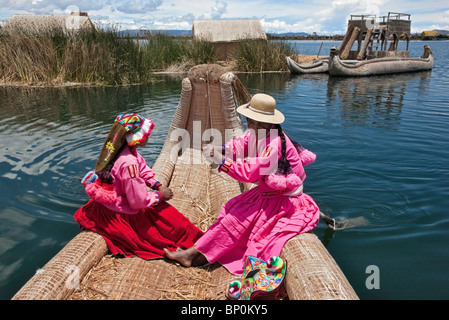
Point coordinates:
[(184, 257)]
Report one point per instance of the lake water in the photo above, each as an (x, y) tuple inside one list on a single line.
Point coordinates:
[(383, 161)]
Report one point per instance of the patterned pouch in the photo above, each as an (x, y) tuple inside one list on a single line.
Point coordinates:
[(261, 280)]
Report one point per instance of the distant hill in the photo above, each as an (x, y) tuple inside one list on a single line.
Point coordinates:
[(133, 33), (188, 33), (290, 34), (443, 32)]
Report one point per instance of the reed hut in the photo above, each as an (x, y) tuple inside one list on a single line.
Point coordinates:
[(429, 34), (83, 269), (226, 35), (33, 23)]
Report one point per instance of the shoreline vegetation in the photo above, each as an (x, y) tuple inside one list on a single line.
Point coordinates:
[(105, 58), (56, 58)]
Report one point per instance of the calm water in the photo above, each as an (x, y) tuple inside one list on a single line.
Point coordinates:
[(382, 146)]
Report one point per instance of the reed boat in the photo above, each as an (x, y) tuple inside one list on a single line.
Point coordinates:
[(377, 47), (376, 52), (320, 65), (84, 269), (379, 66)]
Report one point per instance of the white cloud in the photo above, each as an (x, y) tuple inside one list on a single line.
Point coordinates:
[(321, 16), (278, 26), (138, 6), (216, 11), (49, 6)]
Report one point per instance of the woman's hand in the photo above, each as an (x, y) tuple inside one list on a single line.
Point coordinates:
[(166, 192), (213, 153)]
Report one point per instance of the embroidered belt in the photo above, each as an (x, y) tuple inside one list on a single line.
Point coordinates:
[(295, 192), (284, 192)]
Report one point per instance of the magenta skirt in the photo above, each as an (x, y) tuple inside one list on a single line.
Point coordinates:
[(255, 225)]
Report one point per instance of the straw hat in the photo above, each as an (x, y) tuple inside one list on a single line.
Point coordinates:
[(262, 108)]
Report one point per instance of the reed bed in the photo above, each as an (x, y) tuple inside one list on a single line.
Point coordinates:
[(101, 57), (261, 56), (104, 57), (162, 52), (55, 57)]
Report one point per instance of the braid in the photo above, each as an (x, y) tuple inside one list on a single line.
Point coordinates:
[(284, 166), (105, 174)]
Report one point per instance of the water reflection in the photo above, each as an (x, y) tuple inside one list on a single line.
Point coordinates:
[(53, 128), (265, 82), (366, 101), (65, 104), (373, 101)]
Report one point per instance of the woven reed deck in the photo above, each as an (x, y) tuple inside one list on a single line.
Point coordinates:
[(83, 269)]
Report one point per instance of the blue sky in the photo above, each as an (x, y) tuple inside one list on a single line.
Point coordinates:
[(320, 16)]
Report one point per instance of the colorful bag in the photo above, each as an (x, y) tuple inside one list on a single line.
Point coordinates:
[(260, 280)]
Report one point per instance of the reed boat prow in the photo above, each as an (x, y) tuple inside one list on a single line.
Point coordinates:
[(83, 269), (380, 66), (317, 66)]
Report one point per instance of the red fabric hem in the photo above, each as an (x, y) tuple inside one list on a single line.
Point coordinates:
[(144, 234)]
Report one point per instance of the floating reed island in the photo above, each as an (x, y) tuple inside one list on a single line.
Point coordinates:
[(209, 96)]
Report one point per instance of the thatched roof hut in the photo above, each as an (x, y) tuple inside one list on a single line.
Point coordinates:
[(431, 34), (39, 23), (226, 34)]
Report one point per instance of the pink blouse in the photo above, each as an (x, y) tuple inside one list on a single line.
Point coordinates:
[(131, 177), (248, 160)]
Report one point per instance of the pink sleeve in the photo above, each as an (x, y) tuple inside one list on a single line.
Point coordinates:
[(235, 148), (147, 174), (136, 192), (307, 157), (252, 169)]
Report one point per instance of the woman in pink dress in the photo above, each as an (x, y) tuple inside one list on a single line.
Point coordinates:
[(128, 205), (261, 220)]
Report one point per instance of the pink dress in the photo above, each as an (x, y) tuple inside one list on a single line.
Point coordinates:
[(261, 220)]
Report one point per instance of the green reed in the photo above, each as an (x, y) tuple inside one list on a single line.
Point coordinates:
[(261, 56), (101, 57), (104, 57), (162, 51)]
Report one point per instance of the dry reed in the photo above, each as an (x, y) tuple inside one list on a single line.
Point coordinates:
[(104, 57), (260, 56), (101, 57)]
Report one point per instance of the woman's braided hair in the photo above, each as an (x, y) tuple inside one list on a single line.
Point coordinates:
[(284, 166), (105, 174)]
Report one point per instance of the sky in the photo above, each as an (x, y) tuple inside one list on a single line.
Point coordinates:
[(325, 17)]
